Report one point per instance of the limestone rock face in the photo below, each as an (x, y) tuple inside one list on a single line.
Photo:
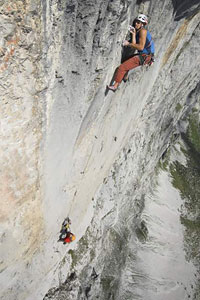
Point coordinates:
[(21, 111), (69, 148)]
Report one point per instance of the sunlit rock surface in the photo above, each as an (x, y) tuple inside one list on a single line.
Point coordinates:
[(69, 149)]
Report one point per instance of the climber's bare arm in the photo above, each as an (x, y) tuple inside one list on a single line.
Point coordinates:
[(142, 40)]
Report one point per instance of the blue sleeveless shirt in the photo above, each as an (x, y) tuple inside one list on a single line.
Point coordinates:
[(149, 45)]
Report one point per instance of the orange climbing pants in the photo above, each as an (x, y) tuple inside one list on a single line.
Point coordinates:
[(130, 64)]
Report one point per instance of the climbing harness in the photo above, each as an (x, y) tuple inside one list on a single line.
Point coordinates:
[(143, 58)]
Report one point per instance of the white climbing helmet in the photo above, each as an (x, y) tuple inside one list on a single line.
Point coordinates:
[(142, 18)]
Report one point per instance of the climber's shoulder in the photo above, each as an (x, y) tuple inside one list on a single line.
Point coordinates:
[(143, 32)]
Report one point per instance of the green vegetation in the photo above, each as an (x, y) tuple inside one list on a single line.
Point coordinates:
[(74, 257), (194, 110), (82, 250), (180, 182), (187, 180), (178, 107), (194, 131), (107, 282)]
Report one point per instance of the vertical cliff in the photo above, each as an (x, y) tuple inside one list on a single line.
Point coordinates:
[(69, 149), (22, 113)]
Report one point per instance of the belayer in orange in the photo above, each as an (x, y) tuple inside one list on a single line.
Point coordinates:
[(70, 237), (142, 42), (65, 233)]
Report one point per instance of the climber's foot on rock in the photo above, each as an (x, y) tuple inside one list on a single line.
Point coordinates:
[(112, 88)]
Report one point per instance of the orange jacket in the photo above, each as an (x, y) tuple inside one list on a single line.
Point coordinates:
[(69, 238)]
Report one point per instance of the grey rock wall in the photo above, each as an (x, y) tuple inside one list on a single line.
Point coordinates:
[(67, 149), (22, 111)]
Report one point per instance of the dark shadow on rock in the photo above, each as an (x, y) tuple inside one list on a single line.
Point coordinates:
[(138, 2), (94, 275), (87, 290), (185, 8), (141, 231), (127, 52), (71, 277)]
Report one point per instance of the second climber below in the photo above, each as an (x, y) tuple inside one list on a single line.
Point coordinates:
[(143, 43)]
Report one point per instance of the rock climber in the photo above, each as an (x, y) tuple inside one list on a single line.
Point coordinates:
[(143, 43), (69, 238), (66, 225), (65, 233)]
